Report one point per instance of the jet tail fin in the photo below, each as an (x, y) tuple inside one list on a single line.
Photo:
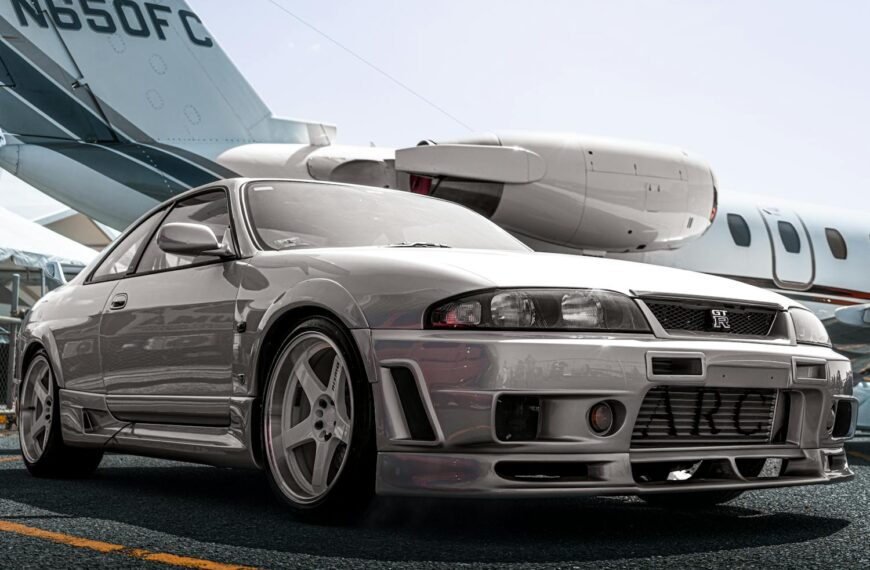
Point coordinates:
[(128, 71)]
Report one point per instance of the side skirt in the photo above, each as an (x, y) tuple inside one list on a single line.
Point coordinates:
[(87, 422)]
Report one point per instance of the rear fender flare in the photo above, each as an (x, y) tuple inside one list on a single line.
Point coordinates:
[(38, 335)]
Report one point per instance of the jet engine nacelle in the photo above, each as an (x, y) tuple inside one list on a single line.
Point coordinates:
[(555, 192), (566, 191)]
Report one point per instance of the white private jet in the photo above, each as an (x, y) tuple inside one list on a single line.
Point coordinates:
[(111, 108)]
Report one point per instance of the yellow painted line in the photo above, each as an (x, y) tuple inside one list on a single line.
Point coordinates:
[(859, 455), (10, 459), (109, 548)]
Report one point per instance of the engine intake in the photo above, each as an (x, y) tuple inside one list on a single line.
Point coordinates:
[(567, 191)]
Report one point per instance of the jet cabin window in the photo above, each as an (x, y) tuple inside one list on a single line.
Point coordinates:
[(791, 241), (118, 261), (739, 230), (836, 243), (210, 209)]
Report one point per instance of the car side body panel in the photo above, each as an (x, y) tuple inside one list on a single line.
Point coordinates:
[(66, 324)]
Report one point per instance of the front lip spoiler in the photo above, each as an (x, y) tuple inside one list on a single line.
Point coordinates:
[(475, 476)]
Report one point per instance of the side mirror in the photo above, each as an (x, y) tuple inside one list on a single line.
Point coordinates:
[(191, 239)]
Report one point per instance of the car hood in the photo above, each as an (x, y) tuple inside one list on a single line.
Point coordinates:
[(395, 286), (508, 269)]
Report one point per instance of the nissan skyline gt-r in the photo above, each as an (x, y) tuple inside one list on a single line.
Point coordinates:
[(353, 341)]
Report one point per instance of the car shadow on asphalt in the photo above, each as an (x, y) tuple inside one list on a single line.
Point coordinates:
[(236, 508), (859, 450)]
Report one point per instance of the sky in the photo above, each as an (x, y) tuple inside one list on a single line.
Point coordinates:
[(774, 94)]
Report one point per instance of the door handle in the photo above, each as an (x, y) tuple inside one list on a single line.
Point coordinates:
[(118, 302)]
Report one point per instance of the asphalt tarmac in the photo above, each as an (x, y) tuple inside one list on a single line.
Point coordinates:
[(147, 513)]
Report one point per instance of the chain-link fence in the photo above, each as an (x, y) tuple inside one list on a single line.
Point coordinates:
[(20, 288), (8, 332)]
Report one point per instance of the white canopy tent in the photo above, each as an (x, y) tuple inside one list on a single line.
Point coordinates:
[(28, 244), (42, 258)]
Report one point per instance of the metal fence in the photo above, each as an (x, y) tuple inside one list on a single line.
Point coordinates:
[(8, 333)]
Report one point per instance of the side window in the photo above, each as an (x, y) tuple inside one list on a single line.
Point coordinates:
[(210, 209), (118, 261), (836, 243), (739, 230), (791, 241)]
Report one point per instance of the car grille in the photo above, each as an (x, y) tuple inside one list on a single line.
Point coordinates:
[(695, 317), (688, 416)]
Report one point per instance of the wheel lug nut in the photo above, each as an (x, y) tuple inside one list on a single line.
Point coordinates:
[(318, 424)]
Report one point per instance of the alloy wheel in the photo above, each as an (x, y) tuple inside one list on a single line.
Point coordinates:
[(309, 417), (36, 409)]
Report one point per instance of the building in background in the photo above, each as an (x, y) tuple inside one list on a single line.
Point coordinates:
[(79, 228)]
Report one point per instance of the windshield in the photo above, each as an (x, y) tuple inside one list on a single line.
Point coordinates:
[(292, 215)]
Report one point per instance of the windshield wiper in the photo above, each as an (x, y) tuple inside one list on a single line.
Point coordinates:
[(418, 244), (290, 243)]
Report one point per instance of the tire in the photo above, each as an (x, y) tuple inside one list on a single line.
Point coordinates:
[(318, 425), (44, 452)]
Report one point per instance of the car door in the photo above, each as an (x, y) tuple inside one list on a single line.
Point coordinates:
[(79, 309), (792, 248), (167, 332)]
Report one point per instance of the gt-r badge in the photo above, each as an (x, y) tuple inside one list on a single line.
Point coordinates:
[(719, 319)]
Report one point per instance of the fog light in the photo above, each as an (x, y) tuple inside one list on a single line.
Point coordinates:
[(601, 418)]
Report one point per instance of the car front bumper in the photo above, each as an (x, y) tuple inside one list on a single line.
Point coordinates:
[(461, 376)]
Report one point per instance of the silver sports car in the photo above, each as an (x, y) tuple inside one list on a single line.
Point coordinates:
[(352, 341)]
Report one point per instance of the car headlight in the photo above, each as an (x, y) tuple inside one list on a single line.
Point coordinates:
[(808, 328), (536, 309)]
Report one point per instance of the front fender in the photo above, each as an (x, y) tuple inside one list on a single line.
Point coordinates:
[(317, 293), (321, 293)]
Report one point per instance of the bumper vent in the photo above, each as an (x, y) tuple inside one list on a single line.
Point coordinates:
[(677, 366), (517, 418), (703, 317), (672, 416), (416, 417)]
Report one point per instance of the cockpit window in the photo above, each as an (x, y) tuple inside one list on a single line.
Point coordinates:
[(296, 215), (791, 241), (739, 230), (836, 243)]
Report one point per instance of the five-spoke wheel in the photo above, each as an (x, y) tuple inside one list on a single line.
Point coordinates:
[(45, 453), (311, 408), (36, 407)]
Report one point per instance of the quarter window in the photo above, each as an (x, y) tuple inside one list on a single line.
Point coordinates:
[(118, 262), (739, 230), (210, 209), (791, 241), (836, 243)]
